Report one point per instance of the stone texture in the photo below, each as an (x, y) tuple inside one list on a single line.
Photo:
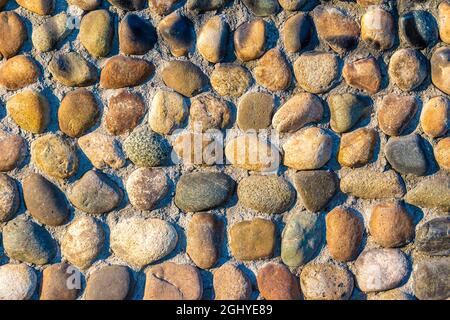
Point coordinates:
[(86, 5), (163, 7), (363, 74), (51, 32), (72, 70), (254, 111), (103, 151), (168, 112), (229, 79), (431, 279), (292, 5), (230, 283), (177, 31), (14, 150), (13, 33), (440, 64), (297, 31), (419, 29), (209, 112), (262, 8), (408, 68), (405, 155), (121, 72), (197, 148), (378, 28), (273, 71), (345, 111), (250, 40), (147, 188), (147, 149), (212, 39), (9, 197), (276, 282), (41, 7), (442, 153), (184, 77), (136, 35), (444, 21), (56, 281), (315, 188), (432, 192), (18, 72), (433, 237), (395, 294), (357, 147), (395, 112), (17, 282), (201, 6), (108, 283), (125, 111), (435, 116), (128, 5)]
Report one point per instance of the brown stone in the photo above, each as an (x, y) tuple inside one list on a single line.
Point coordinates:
[(255, 111), (395, 112), (177, 31), (14, 151), (378, 29), (209, 112), (41, 7), (444, 21), (72, 70), (125, 111), (273, 71), (356, 148), (440, 66), (13, 33), (442, 153), (97, 32), (250, 40), (9, 197), (108, 283), (137, 36), (408, 69), (213, 39), (86, 5), (168, 112), (230, 283), (163, 7), (121, 72), (56, 281), (102, 150), (18, 72), (363, 74), (365, 3), (184, 77), (229, 79), (297, 32), (276, 282), (435, 117)]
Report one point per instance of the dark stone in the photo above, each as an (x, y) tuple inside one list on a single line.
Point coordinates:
[(178, 32), (129, 5), (419, 29), (431, 279), (136, 35), (405, 155), (108, 283), (434, 237), (297, 32), (262, 8), (315, 188)]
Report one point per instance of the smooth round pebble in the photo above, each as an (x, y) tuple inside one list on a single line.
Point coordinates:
[(430, 279), (272, 71), (250, 40), (297, 31), (177, 32), (14, 150), (419, 29), (444, 21), (125, 110), (102, 150), (433, 237), (440, 66), (17, 282), (146, 188), (378, 29), (276, 282), (408, 68), (435, 116), (57, 284), (72, 70), (122, 72), (345, 111), (9, 197), (405, 155), (136, 35), (442, 153), (41, 7), (168, 112), (432, 192), (395, 113), (262, 8), (18, 72), (51, 32), (363, 74), (357, 147), (13, 33), (212, 39), (230, 283), (108, 283), (147, 149), (184, 77)]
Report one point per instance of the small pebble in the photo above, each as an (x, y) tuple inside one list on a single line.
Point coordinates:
[(435, 116), (86, 5), (433, 237), (72, 70), (315, 188), (357, 147), (444, 21), (14, 150), (51, 32), (395, 294), (230, 283), (250, 40), (9, 197), (136, 35), (395, 112), (147, 188), (408, 68), (108, 283), (440, 66), (229, 79), (363, 74), (346, 110), (212, 39), (262, 8), (184, 77), (419, 29), (128, 5), (292, 5), (163, 7), (254, 111), (121, 72), (276, 282), (405, 155), (378, 28), (433, 192), (18, 72), (125, 110), (203, 6), (17, 282), (198, 148), (431, 279), (442, 153), (147, 149), (168, 112), (55, 283), (13, 34), (297, 31), (177, 31), (102, 150), (272, 71), (97, 33), (209, 112), (41, 7)]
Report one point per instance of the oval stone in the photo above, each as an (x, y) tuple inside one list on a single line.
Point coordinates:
[(357, 147), (435, 116), (444, 21), (276, 282), (41, 7), (395, 113), (377, 28), (72, 70), (18, 72), (262, 8), (254, 111), (229, 79), (168, 112), (408, 68), (177, 31), (17, 282), (136, 35), (125, 110), (433, 192), (13, 33), (405, 155), (273, 71), (442, 153), (230, 283), (147, 188), (297, 31), (53, 30), (14, 150), (363, 74), (212, 40), (9, 197), (184, 77), (55, 281), (121, 72), (147, 149), (345, 111), (430, 279), (102, 150), (440, 64), (250, 40), (433, 237), (419, 29), (108, 283)]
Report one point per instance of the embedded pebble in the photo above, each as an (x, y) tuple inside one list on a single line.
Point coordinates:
[(168, 112), (363, 74), (378, 29), (146, 188), (184, 77), (440, 66), (405, 155), (128, 5), (230, 283), (419, 29), (108, 283), (86, 5), (408, 68), (250, 40), (17, 282), (102, 150), (431, 279), (198, 148), (41, 7), (395, 294), (435, 116), (444, 21), (9, 197), (18, 72), (395, 112), (357, 147), (273, 71), (432, 192), (177, 31), (229, 79), (125, 110), (262, 8), (51, 32), (163, 7), (14, 150), (315, 188), (203, 6), (346, 110), (212, 39), (55, 283), (209, 112), (433, 237), (13, 33), (72, 70), (276, 282), (147, 149), (96, 32), (442, 153), (136, 35), (297, 31), (254, 111), (365, 3), (121, 72), (292, 5)]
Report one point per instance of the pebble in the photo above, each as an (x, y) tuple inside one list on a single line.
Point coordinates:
[(315, 188), (212, 40), (30, 110), (307, 149), (378, 28), (262, 8), (345, 111), (184, 77), (54, 156), (72, 70), (28, 242), (371, 184), (433, 237), (140, 241), (202, 191), (163, 7), (252, 239), (55, 29), (177, 31), (301, 239), (366, 3), (419, 29), (13, 33), (146, 188), (203, 6), (209, 112), (18, 72), (250, 40), (230, 283), (229, 79), (357, 147), (431, 279), (171, 281), (108, 283), (292, 5), (128, 5), (395, 294), (9, 197), (254, 111), (297, 31), (325, 281), (136, 35), (83, 241), (433, 192), (395, 112), (147, 149), (125, 110), (45, 202), (78, 112), (86, 5), (390, 225), (405, 155), (266, 194), (95, 193), (276, 282), (272, 71), (41, 7), (444, 21), (197, 148), (381, 269), (440, 66), (17, 282), (316, 72), (250, 152), (96, 33), (435, 116), (442, 153), (14, 150), (204, 240), (121, 72), (363, 74), (408, 69), (336, 28), (168, 112), (102, 150), (55, 283)]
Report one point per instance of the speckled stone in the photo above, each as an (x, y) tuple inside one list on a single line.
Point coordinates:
[(444, 21), (167, 112), (301, 238), (17, 282), (432, 192), (209, 112), (345, 111), (13, 33), (250, 40), (212, 39), (297, 31), (395, 112), (408, 68), (433, 237), (292, 5), (435, 116), (72, 70), (255, 111), (147, 149), (56, 281), (14, 150), (378, 29), (229, 79), (121, 72), (184, 77), (125, 111), (86, 5), (431, 279), (147, 188), (128, 5), (9, 197), (95, 193), (201, 6), (177, 31), (41, 7), (136, 35), (108, 283), (230, 283), (197, 148), (276, 282), (405, 155), (315, 188), (357, 147), (102, 150), (272, 71), (363, 74), (51, 32), (440, 66), (18, 72), (442, 153), (163, 7), (419, 29)]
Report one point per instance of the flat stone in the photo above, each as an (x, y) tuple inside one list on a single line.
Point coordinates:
[(357, 147), (201, 191), (442, 153), (28, 242), (250, 40), (177, 32), (405, 155), (171, 281), (45, 201), (17, 282), (408, 68), (315, 188), (55, 281), (345, 111), (363, 74), (146, 188), (54, 156), (262, 8), (252, 239), (102, 150), (51, 32), (435, 116), (433, 237), (212, 39), (276, 282), (430, 279), (108, 283), (18, 72), (41, 7), (163, 7), (307, 149), (292, 5), (125, 110), (86, 5), (14, 150), (9, 197), (209, 112), (297, 31), (13, 33), (95, 193), (147, 149), (128, 5), (230, 283), (301, 239), (316, 72), (272, 71), (371, 184), (136, 35), (168, 112), (72, 70), (267, 194), (139, 241), (184, 77), (433, 192), (254, 111), (204, 239), (82, 242), (440, 64), (121, 72), (419, 29), (201, 6), (444, 21), (229, 79), (324, 281), (378, 28), (198, 148), (30, 110), (395, 112)]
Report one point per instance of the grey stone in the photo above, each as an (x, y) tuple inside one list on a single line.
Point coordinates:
[(405, 155), (315, 188), (433, 237), (431, 279)]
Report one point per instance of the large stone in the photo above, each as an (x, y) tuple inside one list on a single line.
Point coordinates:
[(17, 282), (408, 68), (262, 8), (56, 282), (72, 70), (297, 32), (273, 71), (431, 279), (14, 150), (419, 29), (18, 72), (125, 110), (315, 188), (136, 35), (435, 116), (444, 21), (250, 40), (395, 112), (13, 33), (147, 149), (276, 282), (346, 110), (86, 5), (209, 112), (51, 32), (378, 29), (168, 112), (41, 7), (292, 5), (230, 283), (212, 40), (254, 111), (9, 197), (229, 79), (202, 6), (108, 283), (433, 192), (102, 150), (184, 77), (356, 147), (197, 148), (363, 74), (442, 153), (163, 7), (433, 237), (405, 155), (177, 31), (440, 66), (128, 5), (147, 188), (121, 72)]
